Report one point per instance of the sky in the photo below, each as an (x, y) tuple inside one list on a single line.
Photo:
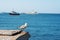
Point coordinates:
[(42, 6)]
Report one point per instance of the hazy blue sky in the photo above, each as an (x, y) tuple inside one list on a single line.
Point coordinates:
[(44, 6)]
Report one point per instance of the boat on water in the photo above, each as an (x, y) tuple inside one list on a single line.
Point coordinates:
[(34, 12), (14, 13)]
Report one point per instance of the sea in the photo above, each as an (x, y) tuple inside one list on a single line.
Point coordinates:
[(42, 26)]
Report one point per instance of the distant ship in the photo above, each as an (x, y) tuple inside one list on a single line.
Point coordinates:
[(14, 13), (34, 12)]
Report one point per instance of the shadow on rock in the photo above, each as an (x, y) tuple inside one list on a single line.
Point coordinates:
[(24, 37)]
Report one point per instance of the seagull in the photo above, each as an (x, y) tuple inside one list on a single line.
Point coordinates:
[(23, 26)]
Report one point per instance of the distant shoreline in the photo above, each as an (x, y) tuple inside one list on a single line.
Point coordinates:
[(31, 13)]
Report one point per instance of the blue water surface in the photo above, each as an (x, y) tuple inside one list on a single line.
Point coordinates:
[(40, 26)]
